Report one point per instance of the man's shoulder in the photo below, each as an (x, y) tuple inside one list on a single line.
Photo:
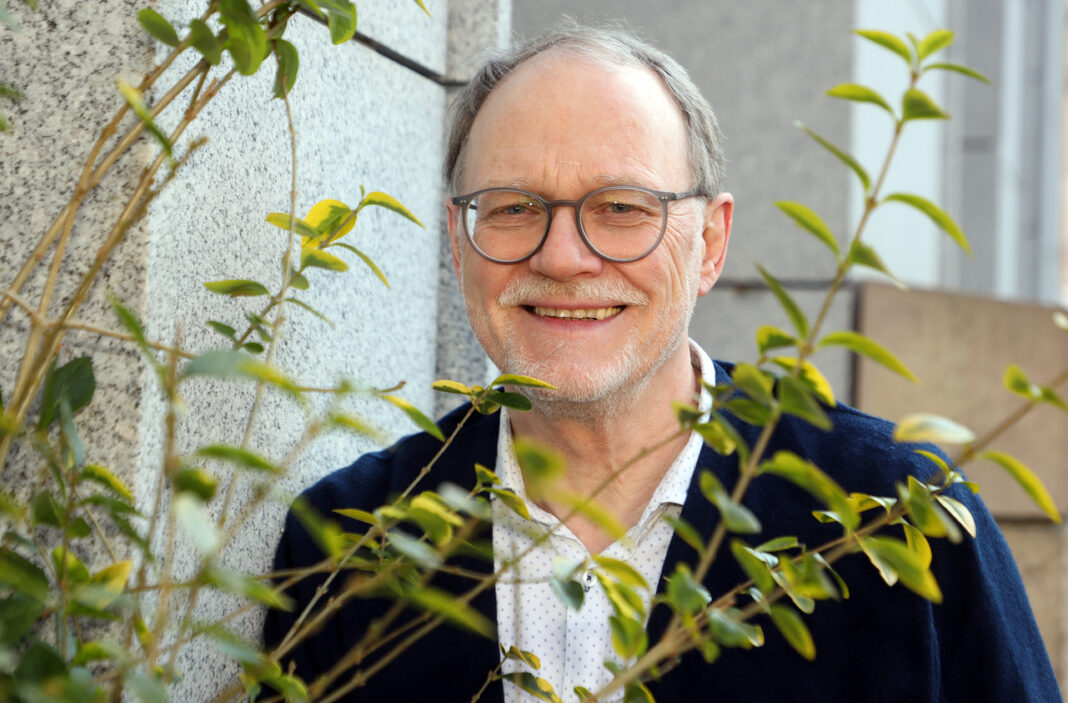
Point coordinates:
[(375, 477)]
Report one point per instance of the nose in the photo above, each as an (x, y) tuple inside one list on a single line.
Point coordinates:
[(564, 255)]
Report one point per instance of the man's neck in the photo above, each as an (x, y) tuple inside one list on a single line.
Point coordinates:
[(622, 448)]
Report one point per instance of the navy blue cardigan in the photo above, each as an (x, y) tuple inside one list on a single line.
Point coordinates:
[(882, 644)]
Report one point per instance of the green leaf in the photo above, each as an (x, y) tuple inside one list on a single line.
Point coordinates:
[(157, 25), (204, 41), (1015, 380), (46, 511), (509, 379), (356, 514), (388, 202), (516, 654), (809, 221), (317, 258), (70, 566), (309, 308), (887, 41), (1027, 480), (861, 254), (717, 436), (288, 63), (23, 576), (136, 101), (796, 399), (858, 343), (100, 475), (793, 628), (736, 517), (957, 68), (852, 163), (622, 571), (754, 567), (515, 401), (926, 427), (302, 228), (686, 532), (72, 382), (246, 39), (684, 593), (445, 604), (365, 259), (195, 522), (18, 613), (253, 347), (935, 41), (237, 455), (243, 585), (769, 338), (223, 329), (753, 382), (797, 318), (312, 6), (907, 564), (418, 551), (918, 105), (196, 481), (341, 18), (811, 377), (925, 513), (748, 411), (447, 386), (859, 93), (537, 687), (777, 544), (936, 214), (570, 592), (814, 481), (131, 323), (226, 363), (298, 281), (237, 287), (415, 415)]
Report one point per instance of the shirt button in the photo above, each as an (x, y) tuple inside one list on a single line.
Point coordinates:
[(587, 581)]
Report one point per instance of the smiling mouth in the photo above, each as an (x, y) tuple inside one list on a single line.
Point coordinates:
[(577, 314)]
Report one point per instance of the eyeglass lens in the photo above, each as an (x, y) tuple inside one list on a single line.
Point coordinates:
[(620, 223)]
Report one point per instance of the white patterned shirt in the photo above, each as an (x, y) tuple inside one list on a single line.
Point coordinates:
[(574, 644)]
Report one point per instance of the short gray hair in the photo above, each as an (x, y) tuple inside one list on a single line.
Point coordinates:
[(612, 44)]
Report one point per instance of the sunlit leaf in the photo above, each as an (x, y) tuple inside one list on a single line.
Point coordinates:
[(936, 214), (528, 682), (1016, 381), (447, 386), (861, 254), (317, 258), (510, 379), (795, 631), (852, 163), (859, 93), (753, 382), (887, 41), (331, 219), (237, 287), (907, 564), (796, 399), (754, 567), (768, 338), (797, 317), (1027, 480), (302, 228), (415, 415), (157, 25), (918, 105), (809, 221), (622, 571), (957, 68), (935, 41), (926, 427), (959, 512), (811, 376), (388, 202), (858, 343), (516, 654), (716, 436)]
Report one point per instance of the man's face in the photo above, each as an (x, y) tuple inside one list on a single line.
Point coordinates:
[(561, 126)]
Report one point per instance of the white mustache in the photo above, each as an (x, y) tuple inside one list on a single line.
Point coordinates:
[(521, 291)]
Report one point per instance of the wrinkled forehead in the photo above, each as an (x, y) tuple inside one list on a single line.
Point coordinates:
[(565, 106)]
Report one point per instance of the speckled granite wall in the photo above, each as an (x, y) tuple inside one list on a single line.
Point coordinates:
[(361, 119)]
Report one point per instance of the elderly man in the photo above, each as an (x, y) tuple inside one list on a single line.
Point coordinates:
[(588, 215)]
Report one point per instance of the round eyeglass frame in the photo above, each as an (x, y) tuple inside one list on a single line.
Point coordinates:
[(665, 197)]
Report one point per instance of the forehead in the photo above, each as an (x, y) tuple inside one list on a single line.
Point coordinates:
[(560, 119)]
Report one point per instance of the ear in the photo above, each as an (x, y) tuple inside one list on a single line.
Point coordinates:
[(452, 223), (718, 214)]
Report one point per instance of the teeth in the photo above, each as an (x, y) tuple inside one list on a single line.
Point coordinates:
[(583, 314)]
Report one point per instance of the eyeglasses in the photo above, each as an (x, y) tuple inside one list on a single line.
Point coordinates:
[(618, 223)]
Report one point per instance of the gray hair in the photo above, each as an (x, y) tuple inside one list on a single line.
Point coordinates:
[(613, 45)]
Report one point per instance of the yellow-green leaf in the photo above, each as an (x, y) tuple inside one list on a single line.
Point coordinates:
[(811, 376), (789, 306), (288, 64), (957, 68), (858, 343), (389, 202), (768, 338), (959, 512), (793, 628), (622, 571), (157, 25), (447, 386), (510, 379), (136, 102), (365, 259), (906, 563), (936, 214), (918, 105), (331, 219), (887, 41), (422, 421), (859, 93), (101, 475), (237, 455), (514, 502), (861, 254), (1027, 480), (317, 258), (809, 221), (935, 41), (237, 287), (927, 427), (282, 219), (205, 42)]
